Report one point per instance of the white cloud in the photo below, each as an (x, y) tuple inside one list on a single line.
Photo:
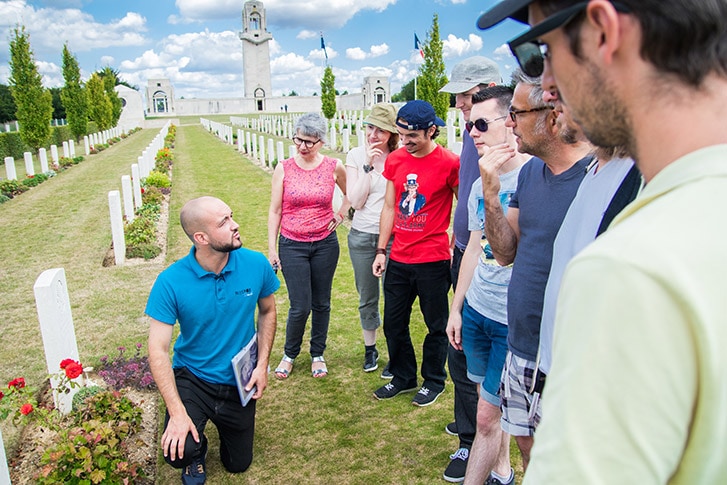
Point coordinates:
[(356, 54), (453, 46), (318, 54), (309, 14), (107, 60), (49, 28), (306, 34), (289, 63), (502, 52)]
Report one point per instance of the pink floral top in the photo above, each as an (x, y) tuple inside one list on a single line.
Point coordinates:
[(307, 200)]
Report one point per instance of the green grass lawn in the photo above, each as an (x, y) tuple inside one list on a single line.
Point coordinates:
[(308, 430)]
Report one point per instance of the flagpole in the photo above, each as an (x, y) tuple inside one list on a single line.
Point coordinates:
[(415, 87)]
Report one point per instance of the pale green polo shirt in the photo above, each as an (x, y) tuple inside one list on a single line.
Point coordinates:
[(638, 387)]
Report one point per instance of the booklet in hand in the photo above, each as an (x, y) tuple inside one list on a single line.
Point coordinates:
[(243, 363)]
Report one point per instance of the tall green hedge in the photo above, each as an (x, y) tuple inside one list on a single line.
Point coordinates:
[(11, 145)]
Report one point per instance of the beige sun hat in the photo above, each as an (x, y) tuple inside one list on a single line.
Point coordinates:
[(383, 115)]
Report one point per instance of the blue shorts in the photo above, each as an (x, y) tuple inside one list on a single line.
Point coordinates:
[(484, 342)]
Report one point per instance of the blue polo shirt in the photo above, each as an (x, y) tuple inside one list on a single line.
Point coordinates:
[(216, 313)]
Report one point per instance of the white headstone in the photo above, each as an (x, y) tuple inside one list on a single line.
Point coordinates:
[(271, 152), (136, 180), (281, 151), (66, 151), (450, 131), (72, 148), (29, 169), (4, 470), (248, 149), (261, 149), (333, 143), (56, 327), (54, 154), (117, 227), (253, 140), (128, 197), (345, 134), (291, 151), (86, 145), (43, 160), (10, 168), (361, 137)]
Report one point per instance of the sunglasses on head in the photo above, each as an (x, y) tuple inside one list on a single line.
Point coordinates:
[(531, 53), (481, 124)]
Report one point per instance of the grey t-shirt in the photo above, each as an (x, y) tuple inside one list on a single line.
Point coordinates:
[(487, 293)]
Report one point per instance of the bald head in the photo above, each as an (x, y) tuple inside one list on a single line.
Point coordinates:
[(195, 215)]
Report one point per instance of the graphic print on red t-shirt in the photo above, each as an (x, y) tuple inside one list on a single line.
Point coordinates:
[(424, 204)]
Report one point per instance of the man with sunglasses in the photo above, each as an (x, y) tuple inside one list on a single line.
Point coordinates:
[(637, 392), (477, 321), (468, 77), (524, 237)]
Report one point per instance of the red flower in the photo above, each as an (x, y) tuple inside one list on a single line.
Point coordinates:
[(1, 395), (65, 362), (26, 409), (17, 383), (73, 370)]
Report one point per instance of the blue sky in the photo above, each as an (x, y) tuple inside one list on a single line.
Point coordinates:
[(195, 43)]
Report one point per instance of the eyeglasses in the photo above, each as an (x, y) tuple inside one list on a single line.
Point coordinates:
[(481, 124), (530, 53), (515, 112), (307, 143)]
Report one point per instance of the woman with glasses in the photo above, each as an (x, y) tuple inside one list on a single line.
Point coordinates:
[(366, 188), (302, 221)]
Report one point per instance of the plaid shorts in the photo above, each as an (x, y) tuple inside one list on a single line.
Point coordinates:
[(520, 407)]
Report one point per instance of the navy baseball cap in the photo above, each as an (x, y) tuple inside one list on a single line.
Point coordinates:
[(418, 115), (514, 9)]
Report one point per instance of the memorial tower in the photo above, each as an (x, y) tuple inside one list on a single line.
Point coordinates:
[(255, 53)]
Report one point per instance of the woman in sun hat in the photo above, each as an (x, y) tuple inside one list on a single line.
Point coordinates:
[(365, 187)]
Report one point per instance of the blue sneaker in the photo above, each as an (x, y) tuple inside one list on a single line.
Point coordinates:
[(194, 473)]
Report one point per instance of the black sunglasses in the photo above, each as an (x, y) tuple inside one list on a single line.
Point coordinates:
[(531, 53), (481, 124)]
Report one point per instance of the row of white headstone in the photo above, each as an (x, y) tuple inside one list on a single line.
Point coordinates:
[(131, 188), (69, 151), (59, 342), (221, 130)]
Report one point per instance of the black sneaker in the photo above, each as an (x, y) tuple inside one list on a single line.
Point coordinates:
[(456, 468), (370, 360), (451, 428), (425, 397), (386, 374), (390, 390), (194, 473)]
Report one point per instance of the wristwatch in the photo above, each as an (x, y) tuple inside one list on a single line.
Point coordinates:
[(368, 168)]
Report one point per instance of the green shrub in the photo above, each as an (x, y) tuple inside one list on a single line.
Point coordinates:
[(77, 159), (65, 162), (96, 449), (4, 198), (31, 181), (146, 251), (59, 134), (91, 128), (152, 195), (149, 210), (157, 179), (141, 230), (85, 392), (11, 188), (11, 145)]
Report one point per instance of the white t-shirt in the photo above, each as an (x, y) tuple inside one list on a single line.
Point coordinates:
[(367, 218)]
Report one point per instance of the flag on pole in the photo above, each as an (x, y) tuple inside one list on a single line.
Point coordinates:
[(323, 46), (417, 45)]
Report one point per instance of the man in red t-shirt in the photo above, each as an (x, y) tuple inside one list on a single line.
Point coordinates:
[(421, 179)]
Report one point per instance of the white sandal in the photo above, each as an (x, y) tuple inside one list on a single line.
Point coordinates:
[(281, 373), (321, 372)]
